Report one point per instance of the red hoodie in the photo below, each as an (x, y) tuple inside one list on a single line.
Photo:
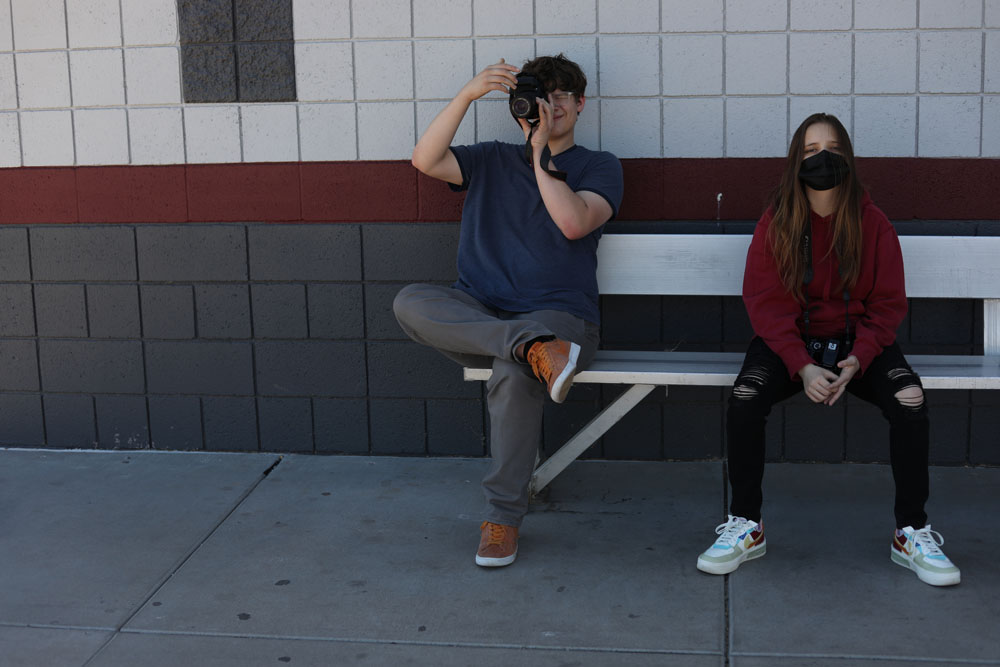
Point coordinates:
[(877, 302)]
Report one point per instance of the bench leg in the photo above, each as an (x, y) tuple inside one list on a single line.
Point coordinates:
[(589, 434)]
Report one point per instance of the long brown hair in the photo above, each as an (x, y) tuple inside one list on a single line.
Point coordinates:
[(791, 213)]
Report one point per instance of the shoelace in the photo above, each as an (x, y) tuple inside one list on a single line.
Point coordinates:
[(730, 531), (541, 362), (929, 541), (495, 533)]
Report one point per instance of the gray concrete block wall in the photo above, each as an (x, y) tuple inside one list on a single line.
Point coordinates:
[(247, 337)]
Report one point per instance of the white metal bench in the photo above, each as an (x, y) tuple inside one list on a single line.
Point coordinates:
[(954, 267)]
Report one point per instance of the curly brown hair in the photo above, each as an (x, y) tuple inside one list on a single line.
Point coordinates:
[(557, 72)]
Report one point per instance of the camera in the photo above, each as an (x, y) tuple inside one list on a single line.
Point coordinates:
[(522, 98), (826, 352)]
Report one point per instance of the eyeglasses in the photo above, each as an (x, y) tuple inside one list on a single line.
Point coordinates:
[(561, 98)]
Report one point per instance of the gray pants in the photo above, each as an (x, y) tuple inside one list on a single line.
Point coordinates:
[(463, 329)]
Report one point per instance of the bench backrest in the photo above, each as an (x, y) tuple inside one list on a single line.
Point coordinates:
[(955, 267)]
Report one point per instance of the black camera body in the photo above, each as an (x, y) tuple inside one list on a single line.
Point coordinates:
[(826, 352), (523, 102)]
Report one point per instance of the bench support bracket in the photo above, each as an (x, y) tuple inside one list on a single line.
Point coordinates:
[(587, 436)]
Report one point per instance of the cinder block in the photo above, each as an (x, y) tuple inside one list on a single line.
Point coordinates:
[(175, 422), (390, 18), (372, 61), (113, 311), (321, 19), (14, 263), (693, 127), (991, 83), (951, 62), (949, 126), (756, 15), (199, 367), (22, 423), (263, 20), (441, 67), (565, 16), (83, 253), (508, 18), (305, 252), (397, 426), (867, 432), (420, 252), (266, 71), (222, 311), (821, 14), (101, 136), (992, 14), (122, 422), (279, 311), (43, 80), (820, 63), (310, 368), (18, 365), (69, 421), (514, 51), (285, 424), (800, 108), (10, 138), (61, 310), (335, 311), (47, 138), (630, 321), (38, 24), (7, 38), (455, 428), (327, 131), (167, 311), (380, 321), (209, 72), (885, 62), (341, 425), (630, 128), (17, 313), (386, 130), (692, 431), (813, 432), (885, 126), (91, 366), (156, 136), (400, 369), (212, 134), (270, 133), (192, 252), (152, 75), (756, 127), (230, 424), (946, 321), (756, 64), (442, 18), (644, 15), (638, 436), (630, 65), (97, 77), (324, 71), (562, 422), (991, 127), (203, 21), (145, 22), (874, 14), (692, 64), (951, 13)]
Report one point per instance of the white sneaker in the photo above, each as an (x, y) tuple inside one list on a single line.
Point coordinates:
[(920, 551), (739, 540)]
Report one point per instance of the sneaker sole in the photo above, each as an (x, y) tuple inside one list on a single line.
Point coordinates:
[(561, 387), (712, 567), (484, 561), (931, 578)]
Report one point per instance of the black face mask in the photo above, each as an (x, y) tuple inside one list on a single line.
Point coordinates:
[(823, 171)]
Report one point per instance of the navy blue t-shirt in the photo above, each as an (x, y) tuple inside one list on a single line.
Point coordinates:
[(511, 255)]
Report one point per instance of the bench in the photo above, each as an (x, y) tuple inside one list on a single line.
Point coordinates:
[(948, 267)]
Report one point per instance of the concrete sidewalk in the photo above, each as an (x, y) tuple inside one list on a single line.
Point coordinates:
[(147, 558)]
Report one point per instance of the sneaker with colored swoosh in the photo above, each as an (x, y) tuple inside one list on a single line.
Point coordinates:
[(739, 539), (920, 551)]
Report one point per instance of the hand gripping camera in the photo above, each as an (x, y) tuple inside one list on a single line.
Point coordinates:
[(522, 98)]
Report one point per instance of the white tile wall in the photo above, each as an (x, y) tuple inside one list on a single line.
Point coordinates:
[(992, 78), (820, 62), (885, 62), (885, 14), (379, 19), (565, 16), (756, 126), (93, 23), (993, 13), (628, 15), (957, 126), (756, 64), (630, 66), (991, 127), (951, 13), (151, 22), (156, 135), (47, 138), (513, 51), (821, 14), (321, 19), (800, 108), (441, 67), (885, 126), (950, 62), (687, 16), (442, 18), (511, 17), (631, 127), (8, 91), (270, 133), (693, 127), (373, 61), (96, 77), (212, 133), (756, 15), (692, 64), (152, 75), (10, 140), (39, 24), (385, 130), (101, 136), (328, 132), (324, 71), (6, 29), (43, 79)]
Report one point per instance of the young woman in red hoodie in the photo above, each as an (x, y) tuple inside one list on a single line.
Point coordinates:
[(824, 290)]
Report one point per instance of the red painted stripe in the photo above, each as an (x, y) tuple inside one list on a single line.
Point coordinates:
[(393, 191)]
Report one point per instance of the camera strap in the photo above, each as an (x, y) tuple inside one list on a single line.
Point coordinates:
[(544, 159), (807, 277)]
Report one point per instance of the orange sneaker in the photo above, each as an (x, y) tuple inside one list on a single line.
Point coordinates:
[(554, 363), (497, 545)]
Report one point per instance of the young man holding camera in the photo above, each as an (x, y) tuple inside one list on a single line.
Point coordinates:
[(525, 303)]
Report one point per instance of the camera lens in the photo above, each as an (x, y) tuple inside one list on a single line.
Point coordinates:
[(521, 107)]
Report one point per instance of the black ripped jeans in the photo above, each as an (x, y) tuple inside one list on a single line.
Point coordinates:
[(763, 381)]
